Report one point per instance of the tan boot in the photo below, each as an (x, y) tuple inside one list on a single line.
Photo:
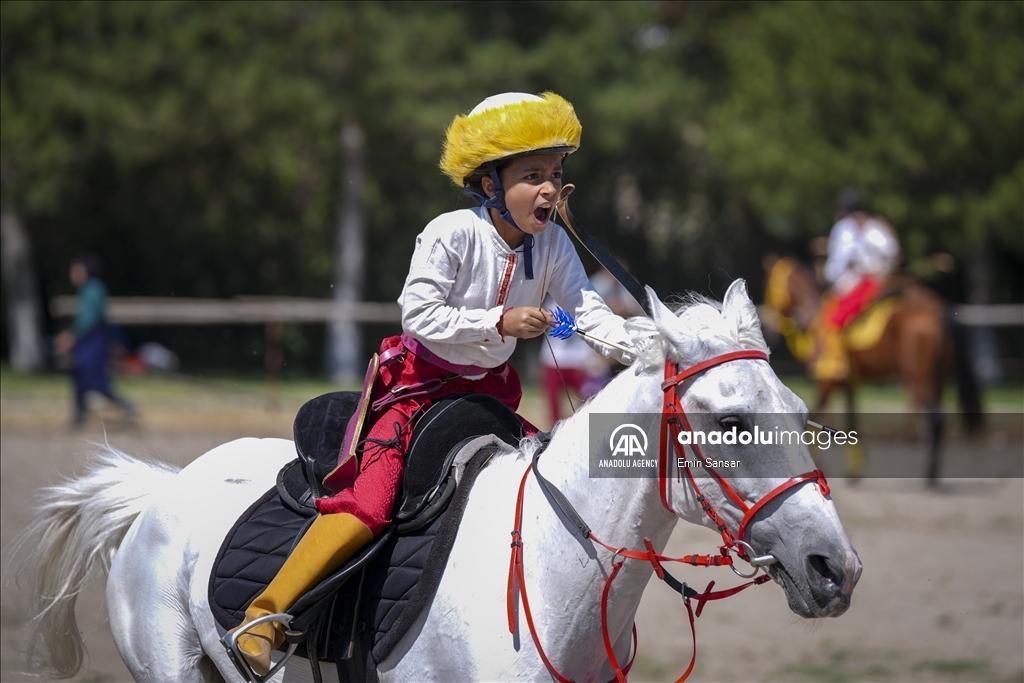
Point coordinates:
[(326, 545)]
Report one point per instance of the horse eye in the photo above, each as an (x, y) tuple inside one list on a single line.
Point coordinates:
[(730, 422)]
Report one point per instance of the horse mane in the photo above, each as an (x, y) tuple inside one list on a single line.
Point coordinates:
[(693, 327), (689, 328)]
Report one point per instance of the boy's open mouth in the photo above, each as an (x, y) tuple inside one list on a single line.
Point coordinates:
[(543, 214)]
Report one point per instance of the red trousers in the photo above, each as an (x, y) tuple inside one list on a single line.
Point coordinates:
[(555, 380), (372, 497)]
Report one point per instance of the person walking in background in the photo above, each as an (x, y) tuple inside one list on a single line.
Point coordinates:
[(87, 341)]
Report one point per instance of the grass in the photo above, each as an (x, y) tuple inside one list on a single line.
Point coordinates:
[(177, 402), (846, 665), (971, 669), (1007, 397), (172, 402), (210, 402), (843, 664), (160, 387)]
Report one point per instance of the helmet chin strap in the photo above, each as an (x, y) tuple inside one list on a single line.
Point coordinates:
[(498, 202)]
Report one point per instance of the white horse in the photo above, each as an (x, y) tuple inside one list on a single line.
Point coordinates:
[(156, 531)]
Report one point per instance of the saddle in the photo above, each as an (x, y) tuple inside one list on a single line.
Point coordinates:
[(866, 330), (357, 623)]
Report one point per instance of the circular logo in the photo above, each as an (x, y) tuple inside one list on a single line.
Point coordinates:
[(628, 440)]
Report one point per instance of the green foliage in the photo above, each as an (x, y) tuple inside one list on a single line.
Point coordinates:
[(173, 129), (195, 146), (918, 104), (208, 131)]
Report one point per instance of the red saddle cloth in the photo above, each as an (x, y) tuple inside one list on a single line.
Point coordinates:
[(847, 308)]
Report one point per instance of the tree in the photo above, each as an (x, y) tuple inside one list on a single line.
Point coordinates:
[(21, 297), (917, 104), (183, 142), (344, 349), (195, 145)]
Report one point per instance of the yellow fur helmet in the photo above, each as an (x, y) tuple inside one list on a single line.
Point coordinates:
[(506, 126)]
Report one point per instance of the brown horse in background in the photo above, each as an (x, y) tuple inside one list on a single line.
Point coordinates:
[(920, 346)]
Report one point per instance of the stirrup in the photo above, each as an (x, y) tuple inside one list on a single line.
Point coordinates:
[(230, 643)]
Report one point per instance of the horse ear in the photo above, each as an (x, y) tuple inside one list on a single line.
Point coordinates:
[(659, 331), (659, 311), (738, 308), (736, 295)]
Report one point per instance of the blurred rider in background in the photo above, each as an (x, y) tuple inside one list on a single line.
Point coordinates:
[(863, 251)]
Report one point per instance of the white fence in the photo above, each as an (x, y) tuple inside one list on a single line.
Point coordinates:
[(990, 315), (243, 310)]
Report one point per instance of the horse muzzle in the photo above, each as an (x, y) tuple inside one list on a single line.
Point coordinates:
[(818, 581)]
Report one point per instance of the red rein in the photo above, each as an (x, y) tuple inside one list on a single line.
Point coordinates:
[(674, 421)]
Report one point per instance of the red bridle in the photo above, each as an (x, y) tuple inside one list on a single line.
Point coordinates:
[(673, 422)]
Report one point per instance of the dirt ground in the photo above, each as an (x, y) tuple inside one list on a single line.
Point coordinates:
[(941, 598)]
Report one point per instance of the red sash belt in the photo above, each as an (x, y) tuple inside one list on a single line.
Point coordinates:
[(429, 386), (426, 354)]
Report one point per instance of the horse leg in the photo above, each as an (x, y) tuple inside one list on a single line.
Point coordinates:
[(854, 452), (921, 358), (825, 389), (936, 422), (850, 391)]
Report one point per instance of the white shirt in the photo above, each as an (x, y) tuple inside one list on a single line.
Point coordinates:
[(574, 352), (857, 248), (463, 276)]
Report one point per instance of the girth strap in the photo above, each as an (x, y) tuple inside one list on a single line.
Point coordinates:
[(555, 496)]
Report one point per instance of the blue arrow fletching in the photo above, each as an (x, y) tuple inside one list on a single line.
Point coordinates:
[(565, 325)]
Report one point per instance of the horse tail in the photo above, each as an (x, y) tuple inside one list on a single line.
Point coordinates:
[(967, 384), (70, 540)]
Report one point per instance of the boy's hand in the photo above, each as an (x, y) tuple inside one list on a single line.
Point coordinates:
[(525, 322)]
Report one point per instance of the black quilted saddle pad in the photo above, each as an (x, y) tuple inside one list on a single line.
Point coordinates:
[(255, 549), (264, 535)]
